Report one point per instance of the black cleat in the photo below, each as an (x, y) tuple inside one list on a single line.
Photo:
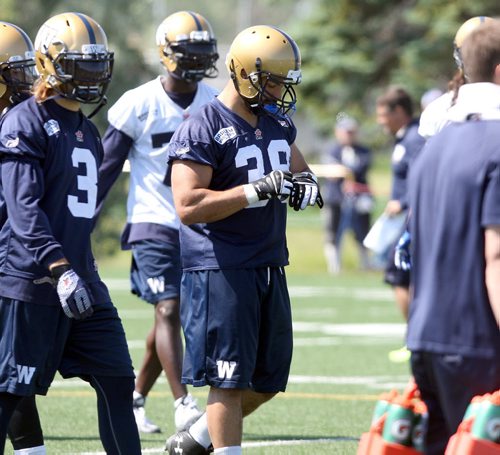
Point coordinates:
[(182, 443)]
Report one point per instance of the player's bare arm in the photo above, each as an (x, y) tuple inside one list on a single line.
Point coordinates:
[(492, 257), (297, 160), (194, 202)]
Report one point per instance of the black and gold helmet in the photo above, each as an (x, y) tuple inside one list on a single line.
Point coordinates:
[(17, 62), (262, 54), (187, 46), (72, 57)]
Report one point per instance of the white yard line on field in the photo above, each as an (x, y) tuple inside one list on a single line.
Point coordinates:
[(360, 293), (373, 382), (259, 444)]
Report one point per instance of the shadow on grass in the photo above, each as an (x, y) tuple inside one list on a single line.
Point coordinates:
[(71, 438)]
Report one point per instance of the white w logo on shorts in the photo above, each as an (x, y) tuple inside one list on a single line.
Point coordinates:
[(25, 373), (225, 369), (156, 284)]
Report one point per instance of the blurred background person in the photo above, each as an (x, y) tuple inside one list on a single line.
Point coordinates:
[(454, 189), (434, 113), (349, 201), (394, 110), (429, 96)]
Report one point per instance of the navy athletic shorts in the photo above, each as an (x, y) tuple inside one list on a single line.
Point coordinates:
[(156, 270), (238, 329), (37, 340)]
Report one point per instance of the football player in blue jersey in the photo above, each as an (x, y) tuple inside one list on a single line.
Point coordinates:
[(141, 124), (454, 195), (234, 165), (55, 312), (394, 110), (17, 74)]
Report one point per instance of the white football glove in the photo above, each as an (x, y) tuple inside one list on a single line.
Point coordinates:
[(74, 295)]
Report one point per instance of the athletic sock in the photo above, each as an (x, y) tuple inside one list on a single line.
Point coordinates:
[(232, 450), (39, 450), (139, 399), (199, 431)]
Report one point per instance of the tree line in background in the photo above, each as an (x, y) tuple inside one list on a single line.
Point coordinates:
[(351, 51)]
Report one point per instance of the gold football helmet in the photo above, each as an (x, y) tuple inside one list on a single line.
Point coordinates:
[(187, 46), (465, 29), (260, 55), (17, 63), (72, 57)]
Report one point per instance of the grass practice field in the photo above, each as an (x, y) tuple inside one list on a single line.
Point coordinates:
[(344, 326)]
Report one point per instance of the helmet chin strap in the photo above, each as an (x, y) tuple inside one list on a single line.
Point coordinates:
[(101, 104)]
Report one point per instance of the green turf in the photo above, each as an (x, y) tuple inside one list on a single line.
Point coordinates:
[(319, 417), (308, 412)]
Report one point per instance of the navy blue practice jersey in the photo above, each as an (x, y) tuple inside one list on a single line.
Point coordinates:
[(238, 154), (454, 189), (49, 161), (408, 145)]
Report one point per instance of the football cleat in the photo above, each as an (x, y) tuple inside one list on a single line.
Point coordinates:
[(144, 425), (182, 443), (186, 412), (400, 355)]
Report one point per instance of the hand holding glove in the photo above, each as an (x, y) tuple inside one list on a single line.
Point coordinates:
[(305, 191), (402, 257), (275, 184), (74, 295)]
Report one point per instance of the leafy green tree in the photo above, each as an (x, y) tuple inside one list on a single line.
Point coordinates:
[(353, 49)]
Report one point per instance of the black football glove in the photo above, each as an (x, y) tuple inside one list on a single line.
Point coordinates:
[(275, 184), (305, 191), (74, 295)]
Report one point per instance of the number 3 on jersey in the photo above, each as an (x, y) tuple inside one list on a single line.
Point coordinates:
[(87, 183)]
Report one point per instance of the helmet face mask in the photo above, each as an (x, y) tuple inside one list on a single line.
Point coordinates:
[(17, 62), (260, 59), (194, 60), (19, 76), (73, 59), (188, 48), (83, 77), (263, 81)]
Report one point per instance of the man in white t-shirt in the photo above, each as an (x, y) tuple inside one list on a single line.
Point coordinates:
[(141, 124), (434, 117)]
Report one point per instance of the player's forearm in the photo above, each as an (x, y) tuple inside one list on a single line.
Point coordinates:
[(206, 206), (492, 272)]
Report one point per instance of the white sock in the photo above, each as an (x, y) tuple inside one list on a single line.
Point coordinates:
[(38, 450), (139, 399), (232, 450), (199, 431), (185, 399)]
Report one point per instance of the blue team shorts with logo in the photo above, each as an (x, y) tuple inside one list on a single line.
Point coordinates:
[(156, 271), (238, 329), (37, 340)]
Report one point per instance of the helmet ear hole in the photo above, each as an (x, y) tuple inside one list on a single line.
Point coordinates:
[(243, 74)]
